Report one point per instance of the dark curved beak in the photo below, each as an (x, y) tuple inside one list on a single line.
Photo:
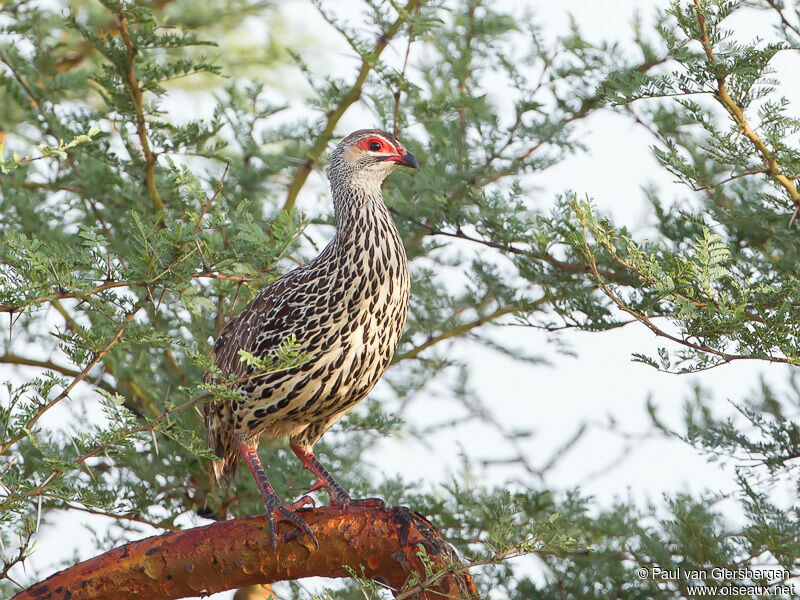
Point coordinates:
[(410, 160), (407, 159)]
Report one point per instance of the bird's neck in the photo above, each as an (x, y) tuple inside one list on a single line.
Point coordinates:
[(356, 201)]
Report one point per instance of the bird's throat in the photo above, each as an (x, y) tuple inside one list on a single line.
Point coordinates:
[(355, 203)]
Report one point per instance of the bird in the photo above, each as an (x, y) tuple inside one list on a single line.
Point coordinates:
[(346, 309)]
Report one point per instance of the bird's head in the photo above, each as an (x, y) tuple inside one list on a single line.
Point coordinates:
[(367, 156)]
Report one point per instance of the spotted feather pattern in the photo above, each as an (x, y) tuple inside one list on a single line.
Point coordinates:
[(347, 309)]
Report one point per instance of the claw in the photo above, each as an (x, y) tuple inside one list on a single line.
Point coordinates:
[(274, 508), (299, 523)]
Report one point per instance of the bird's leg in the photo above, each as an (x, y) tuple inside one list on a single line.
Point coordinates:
[(339, 497), (271, 500)]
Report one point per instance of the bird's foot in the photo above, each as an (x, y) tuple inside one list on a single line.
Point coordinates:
[(275, 509), (339, 497), (274, 505)]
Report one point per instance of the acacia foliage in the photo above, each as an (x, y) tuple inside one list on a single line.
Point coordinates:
[(132, 229)]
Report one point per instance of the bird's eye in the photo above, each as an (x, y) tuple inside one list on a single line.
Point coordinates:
[(375, 146)]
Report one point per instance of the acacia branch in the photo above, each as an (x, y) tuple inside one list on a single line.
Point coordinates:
[(352, 96), (469, 326), (784, 20), (62, 294), (737, 113), (648, 320), (138, 106), (45, 406), (26, 361), (374, 542), (506, 247)]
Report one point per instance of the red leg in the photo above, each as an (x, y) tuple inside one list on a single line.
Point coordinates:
[(271, 500), (339, 497)]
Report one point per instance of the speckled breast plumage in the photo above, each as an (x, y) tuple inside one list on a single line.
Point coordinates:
[(347, 309)]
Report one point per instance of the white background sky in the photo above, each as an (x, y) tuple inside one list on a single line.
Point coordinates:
[(602, 383)]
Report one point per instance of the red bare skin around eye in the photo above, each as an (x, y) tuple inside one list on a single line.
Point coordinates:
[(385, 147)]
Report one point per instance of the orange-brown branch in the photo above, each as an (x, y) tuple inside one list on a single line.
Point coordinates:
[(377, 543)]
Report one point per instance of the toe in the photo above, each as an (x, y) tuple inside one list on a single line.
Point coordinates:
[(368, 503), (341, 500), (273, 536), (300, 524), (300, 503)]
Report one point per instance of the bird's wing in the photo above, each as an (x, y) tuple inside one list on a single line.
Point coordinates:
[(262, 320), (278, 311)]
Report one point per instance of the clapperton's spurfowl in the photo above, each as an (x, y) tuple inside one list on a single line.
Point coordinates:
[(347, 309)]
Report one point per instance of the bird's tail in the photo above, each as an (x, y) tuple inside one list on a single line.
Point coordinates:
[(220, 438), (225, 470)]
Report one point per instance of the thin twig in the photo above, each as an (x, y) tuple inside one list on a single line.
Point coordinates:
[(647, 321), (398, 91), (81, 295), (784, 20), (465, 327), (544, 256), (208, 204), (138, 106)]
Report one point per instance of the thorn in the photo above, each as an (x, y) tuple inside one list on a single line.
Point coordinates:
[(78, 452), (39, 514), (160, 298), (7, 469)]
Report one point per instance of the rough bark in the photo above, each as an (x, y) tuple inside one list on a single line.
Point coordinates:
[(377, 542)]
